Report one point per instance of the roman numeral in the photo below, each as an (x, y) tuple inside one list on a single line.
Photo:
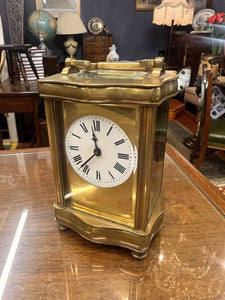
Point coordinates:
[(77, 159), (77, 136), (119, 142), (86, 169), (74, 148), (96, 125), (111, 175), (83, 126), (109, 130), (119, 168), (123, 156), (98, 175)]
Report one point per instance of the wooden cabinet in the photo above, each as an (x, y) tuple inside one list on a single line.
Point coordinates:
[(186, 50), (52, 65), (96, 47)]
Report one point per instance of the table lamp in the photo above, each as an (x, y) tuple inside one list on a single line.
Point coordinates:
[(69, 24), (173, 12)]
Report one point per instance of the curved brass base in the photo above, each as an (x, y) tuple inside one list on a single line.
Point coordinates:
[(62, 227), (102, 231), (138, 255)]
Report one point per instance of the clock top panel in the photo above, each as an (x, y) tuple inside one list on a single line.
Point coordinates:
[(145, 81)]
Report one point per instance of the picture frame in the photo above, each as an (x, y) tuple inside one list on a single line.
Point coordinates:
[(55, 7), (146, 4), (200, 5)]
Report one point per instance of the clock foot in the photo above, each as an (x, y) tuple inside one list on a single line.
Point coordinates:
[(139, 255), (62, 227)]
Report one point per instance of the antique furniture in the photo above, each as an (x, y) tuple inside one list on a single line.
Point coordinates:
[(212, 131), (42, 25), (51, 64), (69, 24), (186, 50), (170, 13), (96, 47), (96, 25), (15, 14), (176, 108), (107, 128), (192, 94), (179, 47), (12, 14), (16, 98), (186, 259), (15, 63)]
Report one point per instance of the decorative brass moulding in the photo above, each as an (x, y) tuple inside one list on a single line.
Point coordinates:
[(155, 66), (132, 98)]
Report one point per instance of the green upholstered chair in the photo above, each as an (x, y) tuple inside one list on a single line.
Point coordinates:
[(212, 131), (192, 93)]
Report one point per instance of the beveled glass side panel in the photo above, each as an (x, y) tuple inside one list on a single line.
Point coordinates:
[(159, 152), (119, 204)]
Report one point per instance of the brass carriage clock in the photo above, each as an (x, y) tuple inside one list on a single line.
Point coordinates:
[(107, 129)]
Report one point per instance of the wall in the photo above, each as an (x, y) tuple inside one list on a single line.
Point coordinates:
[(219, 6), (133, 32)]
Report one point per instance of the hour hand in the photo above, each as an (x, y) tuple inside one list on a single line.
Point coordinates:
[(94, 137)]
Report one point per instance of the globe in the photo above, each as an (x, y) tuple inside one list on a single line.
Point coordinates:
[(42, 23)]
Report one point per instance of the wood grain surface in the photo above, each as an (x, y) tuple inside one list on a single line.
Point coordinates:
[(186, 260)]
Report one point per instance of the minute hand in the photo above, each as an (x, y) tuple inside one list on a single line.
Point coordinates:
[(87, 160), (97, 152)]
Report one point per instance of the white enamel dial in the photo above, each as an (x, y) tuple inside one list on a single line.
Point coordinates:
[(99, 151)]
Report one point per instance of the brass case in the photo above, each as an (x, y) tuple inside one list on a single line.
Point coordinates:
[(134, 95)]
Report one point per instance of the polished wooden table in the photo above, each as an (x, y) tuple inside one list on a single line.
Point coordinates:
[(186, 260), (14, 97)]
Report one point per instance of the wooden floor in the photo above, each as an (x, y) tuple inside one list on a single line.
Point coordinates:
[(179, 111), (188, 120)]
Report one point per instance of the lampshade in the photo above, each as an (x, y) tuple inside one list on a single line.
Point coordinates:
[(178, 12), (70, 23), (170, 13)]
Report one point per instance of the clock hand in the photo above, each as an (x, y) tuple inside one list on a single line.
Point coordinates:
[(97, 152), (94, 137), (93, 155)]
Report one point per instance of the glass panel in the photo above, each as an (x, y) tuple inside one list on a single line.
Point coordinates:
[(86, 197), (159, 152), (111, 74)]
